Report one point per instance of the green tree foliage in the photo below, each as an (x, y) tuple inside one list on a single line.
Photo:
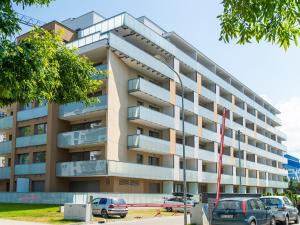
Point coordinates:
[(275, 21), (40, 67)]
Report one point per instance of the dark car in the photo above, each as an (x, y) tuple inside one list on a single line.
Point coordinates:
[(242, 211)]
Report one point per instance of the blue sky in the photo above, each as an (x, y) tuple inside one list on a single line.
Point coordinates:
[(265, 68)]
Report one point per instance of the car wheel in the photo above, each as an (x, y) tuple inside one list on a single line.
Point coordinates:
[(253, 223), (273, 221), (123, 215), (104, 213), (297, 219)]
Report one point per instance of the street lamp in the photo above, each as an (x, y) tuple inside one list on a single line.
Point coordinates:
[(160, 58)]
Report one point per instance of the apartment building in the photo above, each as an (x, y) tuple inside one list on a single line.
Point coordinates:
[(131, 142)]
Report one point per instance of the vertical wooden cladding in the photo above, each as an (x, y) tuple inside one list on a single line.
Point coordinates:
[(215, 112), (172, 92), (200, 120), (199, 84), (172, 141)]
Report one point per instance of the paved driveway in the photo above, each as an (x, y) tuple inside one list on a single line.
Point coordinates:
[(174, 220)]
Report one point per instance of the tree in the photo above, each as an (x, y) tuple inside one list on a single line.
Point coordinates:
[(275, 21), (40, 67)]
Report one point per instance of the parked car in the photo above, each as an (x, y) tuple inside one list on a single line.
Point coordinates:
[(177, 199), (282, 208), (106, 207), (238, 211)]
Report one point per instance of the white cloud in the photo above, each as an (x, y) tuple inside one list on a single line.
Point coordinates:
[(290, 115)]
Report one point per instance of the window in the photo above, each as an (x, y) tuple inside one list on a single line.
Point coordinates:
[(154, 161), (153, 134), (85, 126), (38, 186), (154, 188), (139, 159), (179, 140), (80, 156), (139, 130), (103, 201), (39, 157), (40, 128), (139, 103), (23, 158), (154, 108), (181, 164), (25, 131), (26, 106)]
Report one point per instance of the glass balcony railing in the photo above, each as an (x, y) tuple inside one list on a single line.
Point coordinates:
[(139, 84), (40, 139), (78, 109), (208, 94), (150, 116), (30, 169), (149, 144), (188, 105), (103, 69), (32, 113), (6, 123), (5, 147), (81, 168), (133, 170), (4, 173), (89, 137)]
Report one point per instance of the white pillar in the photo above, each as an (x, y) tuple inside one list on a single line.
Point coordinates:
[(167, 187), (212, 188), (229, 188), (193, 188), (253, 190), (176, 167)]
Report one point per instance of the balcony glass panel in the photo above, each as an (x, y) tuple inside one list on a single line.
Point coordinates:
[(150, 144), (30, 169), (78, 108), (139, 84), (208, 94), (143, 113), (82, 138), (4, 173), (5, 147), (32, 113), (6, 122), (34, 140), (124, 169), (81, 168)]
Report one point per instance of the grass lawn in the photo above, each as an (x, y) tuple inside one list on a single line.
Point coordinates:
[(50, 213)]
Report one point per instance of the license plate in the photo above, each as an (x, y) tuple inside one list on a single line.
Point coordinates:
[(227, 216)]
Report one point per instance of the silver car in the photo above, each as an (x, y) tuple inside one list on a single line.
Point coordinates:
[(282, 209), (106, 207)]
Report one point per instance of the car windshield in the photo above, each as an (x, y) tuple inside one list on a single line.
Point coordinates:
[(118, 201), (272, 202), (229, 204)]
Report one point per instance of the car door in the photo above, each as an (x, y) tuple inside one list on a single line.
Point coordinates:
[(102, 204), (95, 205), (290, 207), (265, 213), (253, 205)]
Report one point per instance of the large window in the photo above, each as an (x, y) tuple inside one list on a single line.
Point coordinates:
[(154, 161), (40, 128), (139, 159), (39, 157), (38, 186), (25, 131), (23, 158), (153, 134)]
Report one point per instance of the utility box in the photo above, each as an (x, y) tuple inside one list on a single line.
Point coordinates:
[(198, 216), (80, 212)]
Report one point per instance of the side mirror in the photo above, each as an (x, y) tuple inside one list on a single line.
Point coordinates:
[(268, 208)]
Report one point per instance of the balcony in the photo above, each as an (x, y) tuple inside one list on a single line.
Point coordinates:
[(4, 173), (77, 110), (30, 169), (81, 168), (191, 175), (82, 138), (208, 94), (5, 147), (124, 169), (148, 144), (104, 72), (278, 184), (6, 123), (40, 139), (144, 89), (32, 113), (149, 117)]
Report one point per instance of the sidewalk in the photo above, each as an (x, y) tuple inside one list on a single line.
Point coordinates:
[(14, 222)]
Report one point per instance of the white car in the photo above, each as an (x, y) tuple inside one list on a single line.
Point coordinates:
[(175, 203), (106, 207)]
